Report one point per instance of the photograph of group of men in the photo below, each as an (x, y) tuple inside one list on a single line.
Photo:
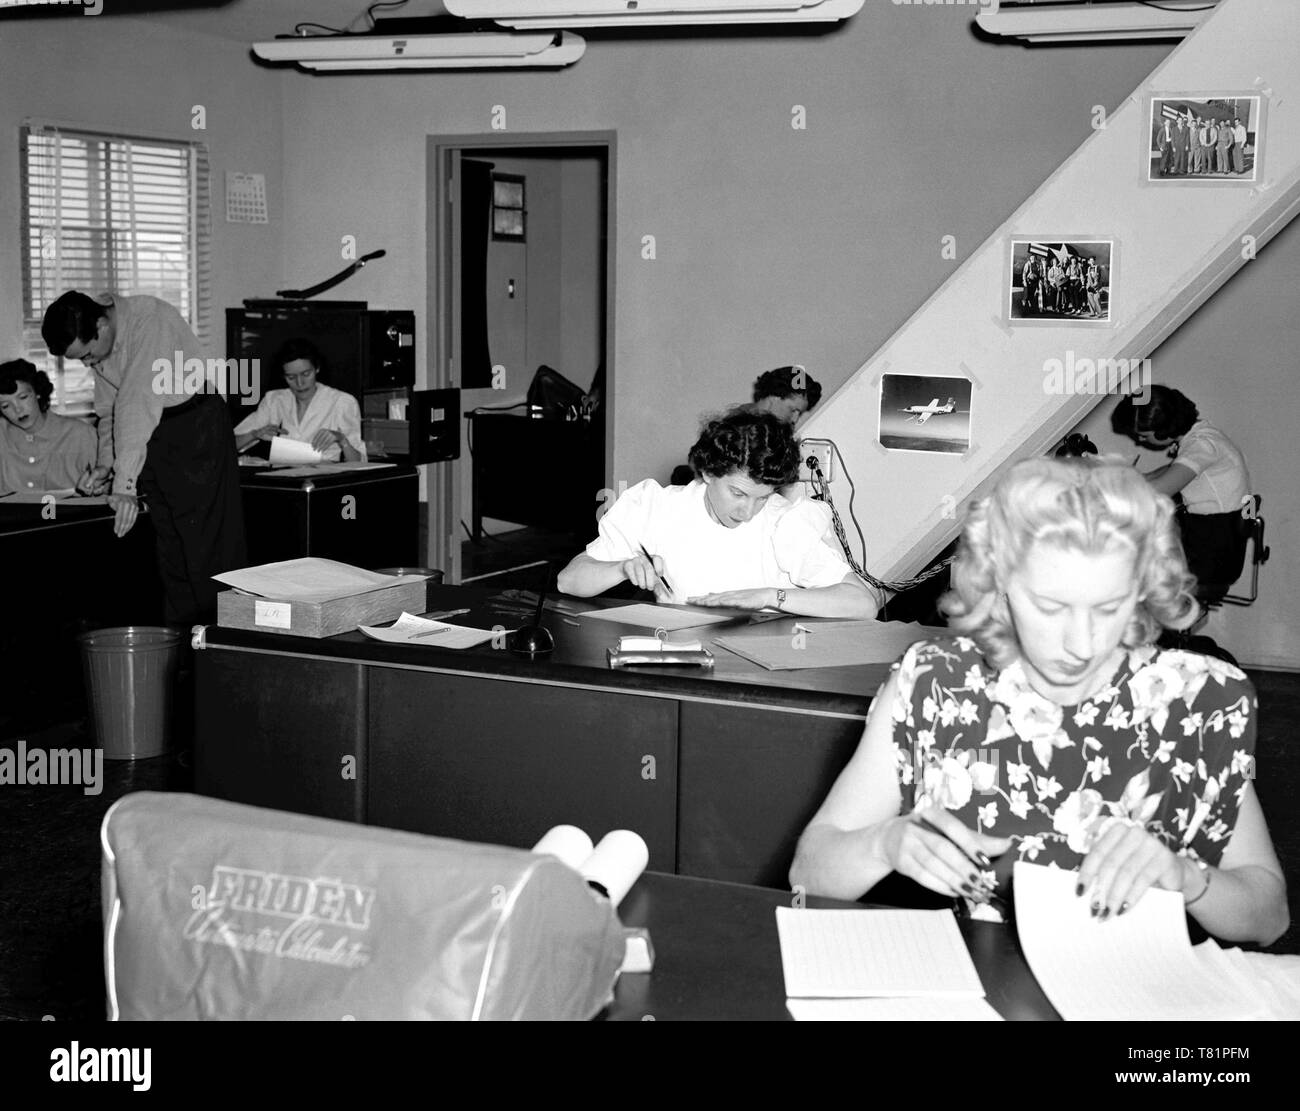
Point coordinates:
[(1056, 281), (1204, 139)]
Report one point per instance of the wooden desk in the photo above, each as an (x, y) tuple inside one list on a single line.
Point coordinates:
[(717, 955), (719, 771), (367, 518)]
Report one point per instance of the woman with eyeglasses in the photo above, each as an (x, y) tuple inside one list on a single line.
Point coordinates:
[(327, 419), (1206, 474), (1051, 729)]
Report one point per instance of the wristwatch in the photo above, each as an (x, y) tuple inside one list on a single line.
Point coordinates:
[(780, 598)]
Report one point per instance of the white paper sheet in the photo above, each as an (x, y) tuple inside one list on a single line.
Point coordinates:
[(838, 954), (913, 1009), (1139, 966), (285, 450), (409, 629), (309, 579), (659, 617)]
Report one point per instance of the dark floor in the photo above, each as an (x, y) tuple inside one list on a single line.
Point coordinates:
[(50, 933)]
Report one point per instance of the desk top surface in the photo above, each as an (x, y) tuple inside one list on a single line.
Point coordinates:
[(717, 955), (579, 658), (274, 477), (34, 517)]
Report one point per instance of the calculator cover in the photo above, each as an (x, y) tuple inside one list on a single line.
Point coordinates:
[(215, 910)]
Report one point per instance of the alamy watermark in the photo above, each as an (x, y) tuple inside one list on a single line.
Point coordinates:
[(56, 767), (182, 377), (1075, 375)]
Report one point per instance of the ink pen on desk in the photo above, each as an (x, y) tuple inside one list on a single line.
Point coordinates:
[(660, 577)]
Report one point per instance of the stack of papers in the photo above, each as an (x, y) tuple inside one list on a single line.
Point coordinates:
[(310, 580), (896, 965), (827, 643), (1141, 965), (659, 617), (409, 629)]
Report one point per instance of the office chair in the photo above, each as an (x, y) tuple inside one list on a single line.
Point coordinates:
[(1212, 597), (1253, 529)]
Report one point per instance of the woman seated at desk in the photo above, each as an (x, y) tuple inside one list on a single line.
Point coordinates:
[(316, 414), (1052, 727), (727, 539), (39, 450)]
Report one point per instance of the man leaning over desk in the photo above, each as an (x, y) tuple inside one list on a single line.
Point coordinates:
[(156, 439)]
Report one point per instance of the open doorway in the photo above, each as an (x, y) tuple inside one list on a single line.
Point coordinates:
[(521, 309)]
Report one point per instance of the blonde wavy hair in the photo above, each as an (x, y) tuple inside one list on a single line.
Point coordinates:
[(1081, 505)]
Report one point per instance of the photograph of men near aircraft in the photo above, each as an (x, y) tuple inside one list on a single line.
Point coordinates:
[(1204, 139), (924, 412), (1055, 281)]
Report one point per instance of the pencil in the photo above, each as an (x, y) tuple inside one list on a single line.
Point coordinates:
[(657, 574)]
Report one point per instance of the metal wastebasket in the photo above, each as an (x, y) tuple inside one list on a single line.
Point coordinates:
[(130, 676)]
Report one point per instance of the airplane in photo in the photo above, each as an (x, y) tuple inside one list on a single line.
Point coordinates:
[(923, 413)]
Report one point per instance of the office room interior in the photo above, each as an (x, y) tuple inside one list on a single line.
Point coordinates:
[(701, 203)]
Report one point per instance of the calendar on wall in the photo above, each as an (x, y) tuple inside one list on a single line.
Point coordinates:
[(245, 198)]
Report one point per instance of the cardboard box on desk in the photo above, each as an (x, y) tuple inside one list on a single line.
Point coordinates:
[(238, 610)]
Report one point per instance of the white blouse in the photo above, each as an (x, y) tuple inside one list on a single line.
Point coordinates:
[(783, 545), (329, 409)]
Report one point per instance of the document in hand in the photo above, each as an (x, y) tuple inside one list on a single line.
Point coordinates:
[(285, 450), (1138, 966)]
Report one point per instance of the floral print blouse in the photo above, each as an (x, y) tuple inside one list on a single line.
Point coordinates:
[(1167, 743)]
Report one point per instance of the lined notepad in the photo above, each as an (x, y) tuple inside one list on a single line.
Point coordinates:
[(909, 1009), (1138, 966), (846, 954)]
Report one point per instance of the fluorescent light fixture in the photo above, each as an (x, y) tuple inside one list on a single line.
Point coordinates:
[(472, 50), (1102, 22), (642, 13)]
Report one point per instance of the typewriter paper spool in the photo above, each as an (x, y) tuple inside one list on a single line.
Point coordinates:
[(616, 863), (567, 843)]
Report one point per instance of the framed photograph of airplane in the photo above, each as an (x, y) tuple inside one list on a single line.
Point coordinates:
[(1060, 281), (925, 412)]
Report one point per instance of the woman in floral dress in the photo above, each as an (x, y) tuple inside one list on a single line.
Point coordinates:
[(1050, 727)]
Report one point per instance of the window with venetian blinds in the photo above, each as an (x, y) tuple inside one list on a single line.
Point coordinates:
[(107, 212)]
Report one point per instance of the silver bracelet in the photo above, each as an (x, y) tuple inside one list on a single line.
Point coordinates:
[(1205, 875)]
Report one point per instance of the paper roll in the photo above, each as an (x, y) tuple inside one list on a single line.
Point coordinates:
[(616, 863), (568, 843)]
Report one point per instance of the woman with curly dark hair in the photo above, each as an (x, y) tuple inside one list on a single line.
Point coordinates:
[(728, 538), (39, 450), (1052, 727), (1206, 475)]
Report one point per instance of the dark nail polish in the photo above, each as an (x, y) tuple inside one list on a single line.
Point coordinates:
[(1096, 909), (974, 878), (967, 889), (1104, 914), (983, 861), (1078, 889), (1122, 908)]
